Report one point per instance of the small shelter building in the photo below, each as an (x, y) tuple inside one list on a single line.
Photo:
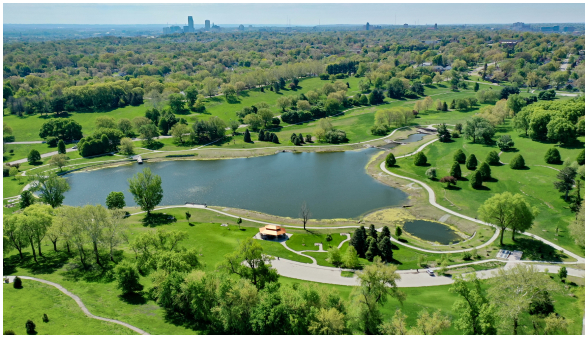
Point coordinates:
[(271, 231)]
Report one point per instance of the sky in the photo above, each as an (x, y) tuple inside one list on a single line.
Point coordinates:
[(296, 14)]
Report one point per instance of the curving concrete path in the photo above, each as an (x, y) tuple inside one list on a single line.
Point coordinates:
[(80, 303)]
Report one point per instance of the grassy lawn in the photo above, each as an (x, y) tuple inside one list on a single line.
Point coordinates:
[(536, 183), (65, 316), (12, 187), (310, 238)]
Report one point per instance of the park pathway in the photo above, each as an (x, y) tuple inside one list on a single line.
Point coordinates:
[(80, 303)]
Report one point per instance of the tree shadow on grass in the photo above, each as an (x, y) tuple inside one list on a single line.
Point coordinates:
[(133, 298), (534, 250), (48, 264), (574, 145), (154, 145), (491, 179), (483, 188), (233, 100), (92, 273), (156, 219), (452, 187)]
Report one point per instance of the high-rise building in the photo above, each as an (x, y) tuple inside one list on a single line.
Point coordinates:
[(367, 26), (207, 24), (241, 27), (190, 27)]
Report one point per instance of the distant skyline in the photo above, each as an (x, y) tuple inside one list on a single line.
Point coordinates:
[(294, 14)]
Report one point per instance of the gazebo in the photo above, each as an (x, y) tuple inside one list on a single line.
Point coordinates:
[(275, 231)]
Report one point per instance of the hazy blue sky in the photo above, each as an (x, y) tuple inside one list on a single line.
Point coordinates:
[(299, 14)]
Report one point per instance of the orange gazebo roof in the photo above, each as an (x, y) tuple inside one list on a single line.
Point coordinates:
[(272, 230)]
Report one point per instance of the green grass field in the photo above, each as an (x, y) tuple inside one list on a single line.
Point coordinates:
[(65, 316), (535, 183)]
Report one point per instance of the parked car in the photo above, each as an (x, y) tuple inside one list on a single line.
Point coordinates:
[(431, 272)]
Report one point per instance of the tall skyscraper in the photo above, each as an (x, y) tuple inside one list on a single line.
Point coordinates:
[(190, 27), (207, 24)]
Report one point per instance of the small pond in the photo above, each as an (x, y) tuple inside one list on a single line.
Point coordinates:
[(413, 138), (432, 231), (334, 185)]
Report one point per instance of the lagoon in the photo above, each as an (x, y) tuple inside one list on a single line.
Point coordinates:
[(334, 185)]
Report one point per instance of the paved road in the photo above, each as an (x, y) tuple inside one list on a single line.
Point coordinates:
[(80, 303), (26, 142)]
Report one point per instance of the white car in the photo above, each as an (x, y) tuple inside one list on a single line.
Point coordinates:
[(431, 272)]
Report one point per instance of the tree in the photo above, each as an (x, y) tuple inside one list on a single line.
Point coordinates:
[(479, 129), (552, 156), (476, 87), (210, 86), (228, 90), (474, 313), (249, 262), (390, 160), (115, 200), (459, 156), (31, 327), (577, 227), (51, 189), (15, 232), (304, 214), (471, 162), (431, 325), (234, 125), (485, 171), (179, 131), (507, 211), (127, 277), (351, 258), (127, 147), (13, 172), (283, 103), (396, 325), (561, 130), (359, 241), (505, 142), (377, 283), (476, 180), (146, 190), (518, 162), (247, 136), (455, 170), (33, 157), (493, 158), (443, 133), (59, 161), (372, 249), (562, 273), (566, 179), (328, 322), (580, 159), (266, 116), (385, 249), (431, 173), (420, 159), (398, 232), (515, 289), (61, 147), (515, 103), (148, 132), (449, 180), (335, 256), (26, 198)]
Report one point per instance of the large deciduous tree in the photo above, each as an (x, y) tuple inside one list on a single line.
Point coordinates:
[(146, 189)]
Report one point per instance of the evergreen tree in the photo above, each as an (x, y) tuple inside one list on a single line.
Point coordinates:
[(358, 241), (476, 87), (455, 170), (61, 147), (301, 138), (476, 180), (372, 232), (518, 162), (275, 139), (445, 106), (26, 199), (552, 156), (398, 232), (580, 157), (471, 162), (247, 136), (372, 250), (293, 138), (34, 156), (443, 133), (385, 248), (390, 160), (385, 231), (485, 171), (261, 135), (420, 159), (452, 106), (492, 158), (459, 156)]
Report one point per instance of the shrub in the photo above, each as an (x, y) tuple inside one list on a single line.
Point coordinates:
[(580, 157), (34, 156), (467, 256), (390, 160), (45, 318), (505, 142), (276, 121), (455, 170), (493, 158), (471, 162), (30, 326), (431, 173), (485, 171), (455, 134), (52, 141), (552, 156), (459, 156), (336, 136), (127, 277), (17, 284), (420, 159), (518, 162), (9, 332), (449, 180), (476, 180)]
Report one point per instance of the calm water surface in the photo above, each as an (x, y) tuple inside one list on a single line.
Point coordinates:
[(432, 231), (334, 185)]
